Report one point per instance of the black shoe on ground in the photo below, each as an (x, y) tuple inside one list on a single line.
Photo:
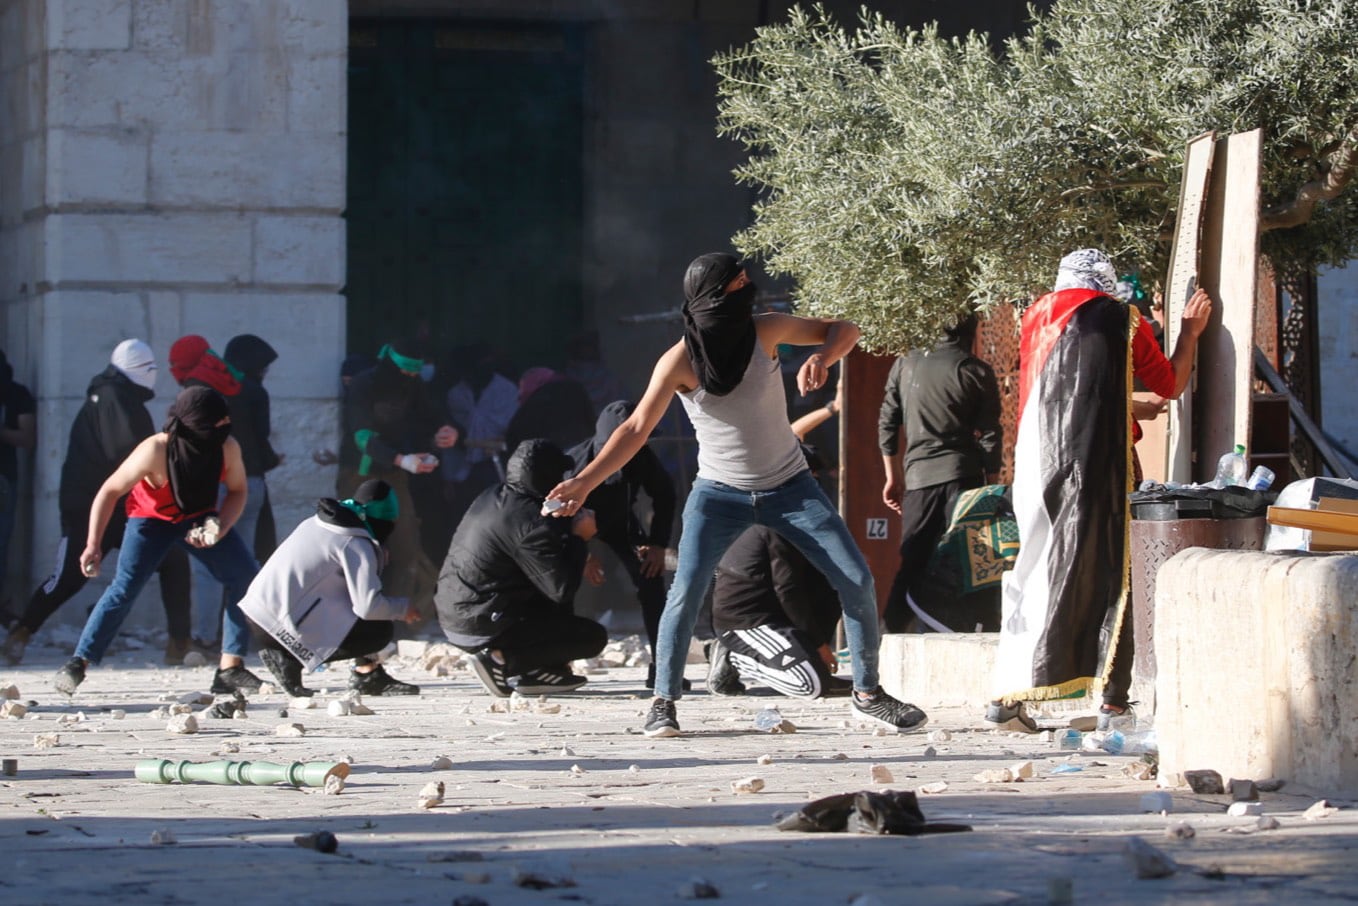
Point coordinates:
[(234, 679), (491, 675), (837, 687), (661, 721), (70, 676), (287, 671), (1010, 717), (883, 710), (546, 680), (379, 682), (722, 676)]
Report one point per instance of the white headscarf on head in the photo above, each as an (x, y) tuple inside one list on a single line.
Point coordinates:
[(135, 359), (1087, 269)]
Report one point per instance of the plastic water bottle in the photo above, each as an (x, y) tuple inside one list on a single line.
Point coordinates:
[(1231, 468), (1261, 479)]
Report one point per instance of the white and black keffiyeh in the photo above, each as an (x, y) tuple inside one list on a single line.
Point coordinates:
[(1087, 269)]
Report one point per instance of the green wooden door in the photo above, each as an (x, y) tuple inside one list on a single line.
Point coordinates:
[(464, 183)]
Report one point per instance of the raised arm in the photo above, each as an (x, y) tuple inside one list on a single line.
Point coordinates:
[(835, 338)]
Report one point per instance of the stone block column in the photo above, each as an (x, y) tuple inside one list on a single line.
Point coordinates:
[(181, 169)]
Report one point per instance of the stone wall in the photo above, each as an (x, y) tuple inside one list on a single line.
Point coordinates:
[(182, 168), (1338, 312)]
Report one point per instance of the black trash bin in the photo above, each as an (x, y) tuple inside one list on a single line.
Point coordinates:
[(1167, 520)]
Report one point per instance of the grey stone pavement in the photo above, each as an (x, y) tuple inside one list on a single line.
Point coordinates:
[(579, 792)]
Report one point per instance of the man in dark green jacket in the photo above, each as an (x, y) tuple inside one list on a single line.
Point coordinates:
[(948, 402)]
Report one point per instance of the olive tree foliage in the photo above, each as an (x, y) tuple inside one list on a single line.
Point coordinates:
[(906, 178)]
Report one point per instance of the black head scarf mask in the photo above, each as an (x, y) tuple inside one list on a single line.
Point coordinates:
[(718, 327), (193, 448)]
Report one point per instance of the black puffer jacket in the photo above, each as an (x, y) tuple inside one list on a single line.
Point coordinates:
[(106, 429), (250, 418), (508, 561)]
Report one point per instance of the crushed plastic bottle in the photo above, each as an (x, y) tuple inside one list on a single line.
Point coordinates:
[(1261, 479), (1070, 739), (771, 720), (1232, 468)]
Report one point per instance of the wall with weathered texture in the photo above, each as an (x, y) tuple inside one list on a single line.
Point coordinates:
[(181, 168), (1337, 310)]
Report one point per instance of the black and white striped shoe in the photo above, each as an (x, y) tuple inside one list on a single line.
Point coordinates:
[(491, 674), (547, 680)]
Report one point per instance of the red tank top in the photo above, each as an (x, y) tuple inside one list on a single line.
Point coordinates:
[(146, 502)]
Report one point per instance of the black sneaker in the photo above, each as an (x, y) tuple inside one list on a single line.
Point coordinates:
[(491, 675), (722, 676), (379, 682), (1010, 717), (836, 687), (287, 670), (70, 676), (234, 679), (661, 720), (880, 708), (547, 680)]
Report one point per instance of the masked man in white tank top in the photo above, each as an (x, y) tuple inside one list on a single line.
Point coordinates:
[(750, 472)]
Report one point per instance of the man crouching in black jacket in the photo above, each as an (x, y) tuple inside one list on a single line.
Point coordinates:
[(507, 589)]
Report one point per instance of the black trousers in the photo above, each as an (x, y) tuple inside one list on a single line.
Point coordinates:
[(68, 579), (924, 518), (367, 637), (650, 591), (552, 639)]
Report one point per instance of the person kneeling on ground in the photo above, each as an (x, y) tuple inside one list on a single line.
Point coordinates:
[(319, 597), (507, 589), (170, 480)]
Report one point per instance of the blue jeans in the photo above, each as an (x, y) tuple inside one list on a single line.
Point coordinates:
[(208, 593), (715, 515), (145, 543)]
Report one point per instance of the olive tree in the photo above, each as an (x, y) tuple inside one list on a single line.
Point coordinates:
[(906, 178)]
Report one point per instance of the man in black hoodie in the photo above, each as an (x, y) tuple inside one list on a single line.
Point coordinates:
[(640, 551), (107, 428), (507, 589)]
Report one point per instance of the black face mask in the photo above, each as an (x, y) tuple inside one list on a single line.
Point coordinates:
[(744, 295)]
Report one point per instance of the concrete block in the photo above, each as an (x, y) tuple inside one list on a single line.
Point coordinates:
[(89, 24), (311, 28), (96, 167), (940, 669), (80, 329), (317, 94), (1256, 665), (248, 169), (149, 248), (33, 184), (297, 250)]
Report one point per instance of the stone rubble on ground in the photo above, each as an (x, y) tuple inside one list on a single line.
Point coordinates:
[(1321, 809), (46, 740), (880, 773), (1245, 809), (441, 763), (182, 725), (334, 785), (747, 785), (431, 795), (13, 710), (289, 730), (1146, 860), (162, 837)]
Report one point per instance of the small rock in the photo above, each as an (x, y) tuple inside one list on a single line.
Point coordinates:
[(1159, 801), (289, 730), (230, 748), (1022, 771), (195, 698), (358, 709), (195, 659), (1139, 770), (880, 773), (266, 689), (441, 763), (747, 785), (934, 788), (1321, 809), (577, 770), (929, 752), (431, 795), (281, 712), (548, 708), (1245, 809), (541, 877), (338, 708), (1181, 831), (1146, 860), (839, 756), (10, 693), (1085, 723), (634, 769), (117, 714), (46, 741), (161, 713), (334, 785), (1204, 782), (12, 709), (939, 736), (302, 703), (1243, 791), (182, 724), (697, 889), (1268, 822), (162, 837), (881, 731), (1272, 785), (180, 709), (995, 775), (567, 752), (764, 759), (321, 841)]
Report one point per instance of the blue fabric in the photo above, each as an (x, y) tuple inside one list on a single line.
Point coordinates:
[(145, 543), (715, 515), (207, 591)]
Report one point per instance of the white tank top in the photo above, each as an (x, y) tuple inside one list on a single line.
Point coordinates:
[(744, 439)]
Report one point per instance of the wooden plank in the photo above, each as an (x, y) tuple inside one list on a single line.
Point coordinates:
[(1314, 520), (1180, 284), (1230, 272)]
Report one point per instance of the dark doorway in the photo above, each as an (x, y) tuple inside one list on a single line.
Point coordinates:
[(464, 185)]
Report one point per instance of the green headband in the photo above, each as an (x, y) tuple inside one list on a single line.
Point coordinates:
[(386, 509), (403, 362)]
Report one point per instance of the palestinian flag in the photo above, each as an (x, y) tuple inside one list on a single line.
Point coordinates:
[(1072, 474)]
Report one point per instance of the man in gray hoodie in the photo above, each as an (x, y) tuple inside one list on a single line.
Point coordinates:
[(319, 597)]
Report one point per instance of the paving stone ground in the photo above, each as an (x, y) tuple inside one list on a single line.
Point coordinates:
[(580, 793)]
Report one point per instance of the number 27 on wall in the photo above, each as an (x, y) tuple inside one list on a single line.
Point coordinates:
[(876, 529)]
